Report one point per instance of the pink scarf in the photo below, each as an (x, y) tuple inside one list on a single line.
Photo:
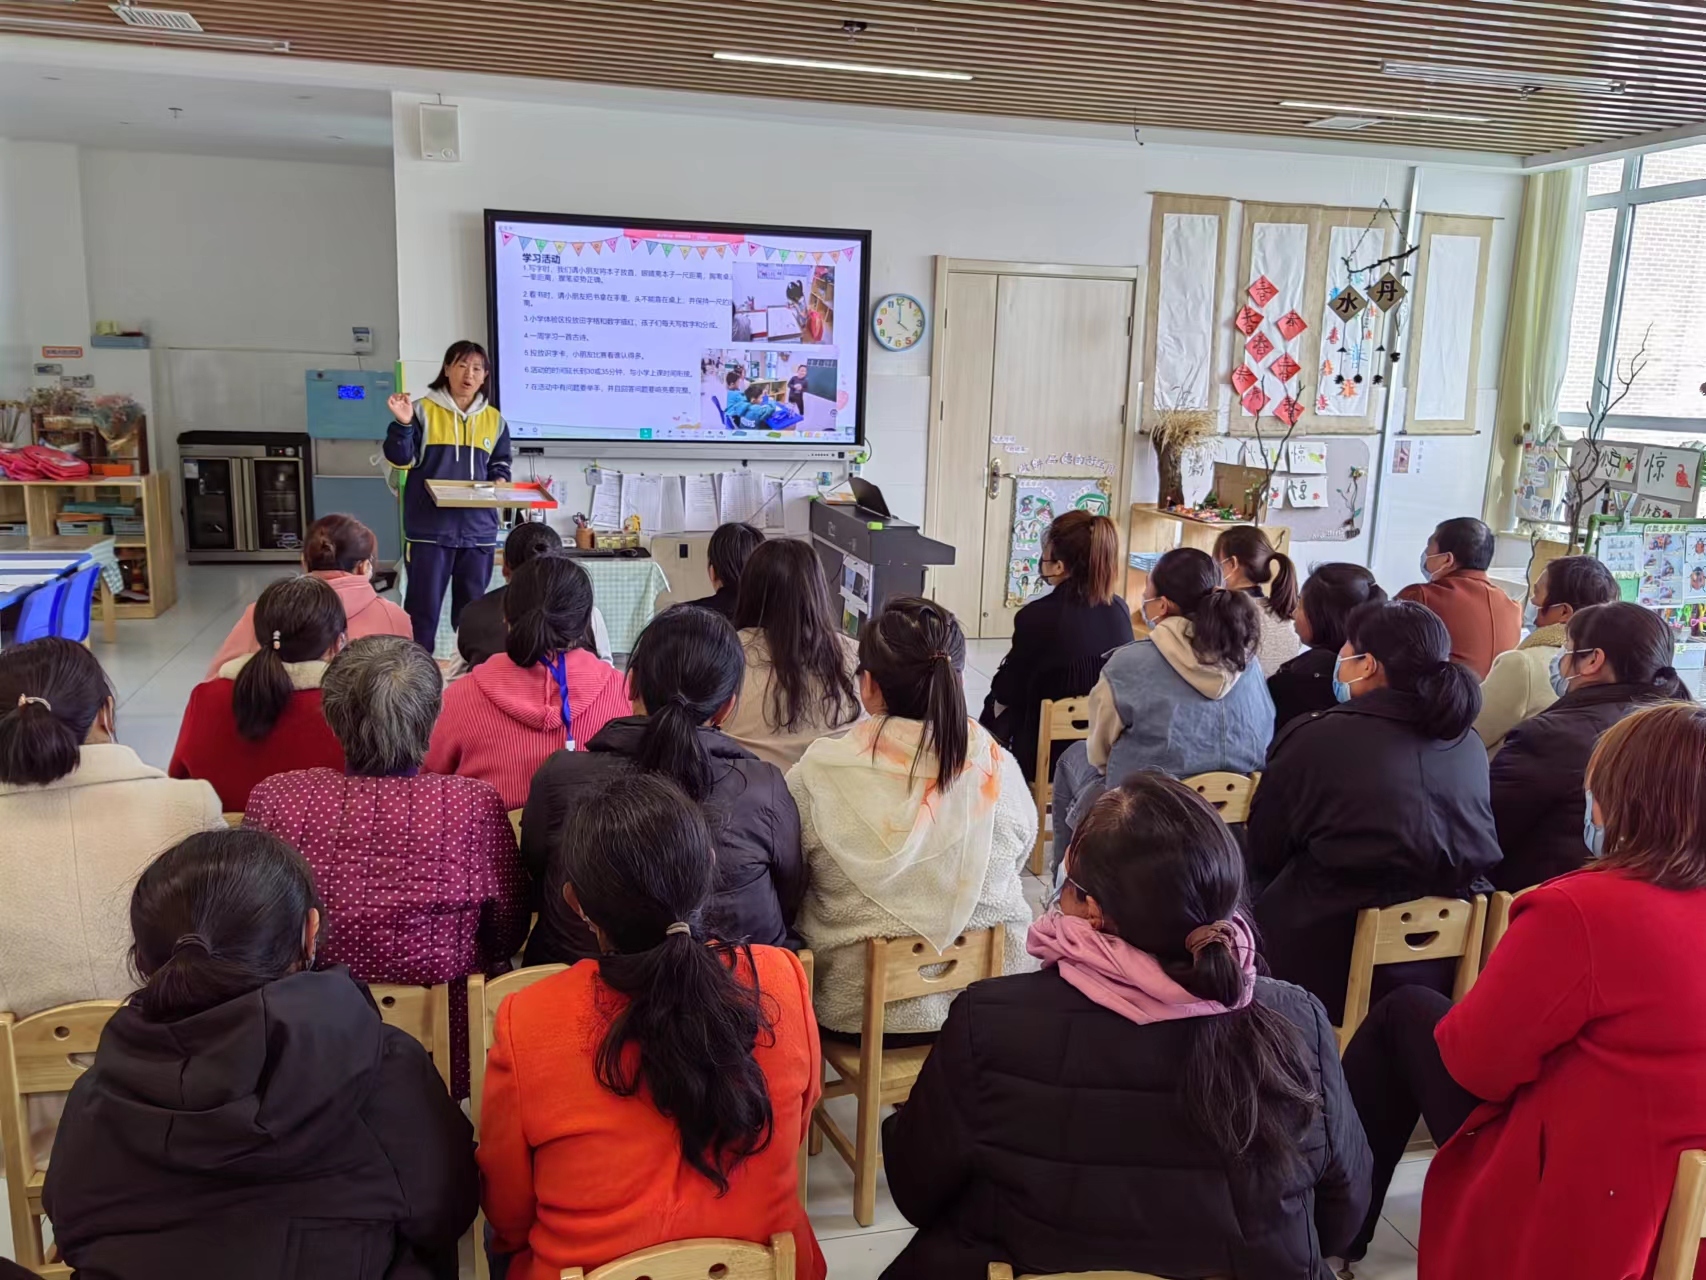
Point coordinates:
[(1117, 976)]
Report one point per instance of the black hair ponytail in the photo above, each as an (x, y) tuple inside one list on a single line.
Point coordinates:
[(296, 620), (915, 651), (1247, 1084), (1414, 649), (1224, 628), (547, 608), (1250, 547), (1637, 643), (215, 917), (642, 865), (685, 667), (51, 690)]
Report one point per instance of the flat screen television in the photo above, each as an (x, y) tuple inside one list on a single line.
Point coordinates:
[(630, 331)]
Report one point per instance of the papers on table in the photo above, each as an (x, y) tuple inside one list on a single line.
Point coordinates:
[(698, 503)]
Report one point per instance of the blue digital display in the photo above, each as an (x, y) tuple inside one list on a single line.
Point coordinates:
[(352, 391)]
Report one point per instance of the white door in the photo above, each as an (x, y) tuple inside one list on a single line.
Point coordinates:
[(1030, 366)]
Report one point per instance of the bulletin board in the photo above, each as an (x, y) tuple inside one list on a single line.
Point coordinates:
[(1660, 565), (1653, 481), (1319, 489), (1445, 348), (1037, 500)]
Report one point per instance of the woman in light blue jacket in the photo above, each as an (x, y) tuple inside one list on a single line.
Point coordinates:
[(1188, 699)]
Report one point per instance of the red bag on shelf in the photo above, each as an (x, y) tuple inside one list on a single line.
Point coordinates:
[(41, 462)]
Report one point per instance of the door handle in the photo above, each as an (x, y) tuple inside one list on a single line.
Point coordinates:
[(995, 478)]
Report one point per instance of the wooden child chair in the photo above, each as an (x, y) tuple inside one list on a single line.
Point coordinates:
[(1685, 1223), (1229, 793), (422, 1012), (700, 1260), (1063, 720), (1422, 929)]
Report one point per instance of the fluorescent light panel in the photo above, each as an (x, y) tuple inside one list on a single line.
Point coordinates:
[(1499, 77), (107, 31), (1385, 113), (861, 68)]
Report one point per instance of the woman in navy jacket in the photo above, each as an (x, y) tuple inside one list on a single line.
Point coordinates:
[(451, 433)]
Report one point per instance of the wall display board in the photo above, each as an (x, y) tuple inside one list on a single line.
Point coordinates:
[(1651, 481), (1660, 565), (1037, 500), (1187, 246), (1445, 352)]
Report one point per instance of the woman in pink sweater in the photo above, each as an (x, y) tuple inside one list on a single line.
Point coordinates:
[(339, 552), (542, 693)]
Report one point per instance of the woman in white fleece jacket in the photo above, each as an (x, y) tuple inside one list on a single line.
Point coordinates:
[(915, 822)]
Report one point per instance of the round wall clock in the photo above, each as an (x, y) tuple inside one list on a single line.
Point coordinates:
[(898, 322)]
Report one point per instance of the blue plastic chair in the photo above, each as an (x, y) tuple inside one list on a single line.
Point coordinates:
[(36, 614), (74, 617)]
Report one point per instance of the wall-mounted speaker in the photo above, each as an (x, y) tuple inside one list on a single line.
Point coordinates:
[(441, 132)]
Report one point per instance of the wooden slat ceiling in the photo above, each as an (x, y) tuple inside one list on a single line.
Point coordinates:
[(1196, 64)]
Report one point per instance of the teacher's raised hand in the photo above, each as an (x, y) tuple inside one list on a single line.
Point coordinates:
[(402, 408)]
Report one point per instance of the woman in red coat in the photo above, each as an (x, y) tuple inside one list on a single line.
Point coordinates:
[(1573, 1074), (262, 715)]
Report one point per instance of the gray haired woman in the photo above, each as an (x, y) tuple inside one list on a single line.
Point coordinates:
[(419, 871)]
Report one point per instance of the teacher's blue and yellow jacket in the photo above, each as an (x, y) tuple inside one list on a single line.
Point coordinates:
[(443, 443)]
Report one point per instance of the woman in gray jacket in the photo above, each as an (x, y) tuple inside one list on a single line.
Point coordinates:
[(1188, 699)]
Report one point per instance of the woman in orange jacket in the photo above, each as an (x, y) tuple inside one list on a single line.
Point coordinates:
[(662, 1093)]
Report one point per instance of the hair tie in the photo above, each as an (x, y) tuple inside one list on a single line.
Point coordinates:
[(1206, 935), (192, 940), (680, 926), (937, 655), (24, 700), (275, 639)]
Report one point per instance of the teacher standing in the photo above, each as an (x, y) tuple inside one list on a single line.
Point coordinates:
[(452, 433)]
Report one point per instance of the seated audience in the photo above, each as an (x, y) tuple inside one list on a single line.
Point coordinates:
[(681, 1067), (1380, 800), (81, 815), (683, 676), (915, 822), (1615, 659), (261, 715), (247, 1115), (1061, 639), (1482, 620), (339, 552), (418, 869), (1568, 1079), (1147, 1050), (1187, 699), (1305, 684), (1520, 683), (542, 693), (726, 555), (481, 631), (799, 665), (1249, 563)]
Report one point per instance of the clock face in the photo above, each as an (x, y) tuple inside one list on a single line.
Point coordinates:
[(898, 323)]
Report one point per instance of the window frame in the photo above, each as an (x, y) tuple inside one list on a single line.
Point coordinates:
[(1629, 195)]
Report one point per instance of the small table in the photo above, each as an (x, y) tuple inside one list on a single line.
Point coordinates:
[(85, 547), (25, 572)]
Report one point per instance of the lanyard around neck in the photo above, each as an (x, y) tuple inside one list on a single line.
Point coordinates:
[(559, 668)]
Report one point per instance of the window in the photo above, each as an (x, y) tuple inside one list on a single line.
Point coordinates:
[(1641, 276)]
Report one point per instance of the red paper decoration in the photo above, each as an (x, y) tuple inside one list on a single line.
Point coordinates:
[(1259, 348), (1248, 320), (1285, 368), (1255, 400), (1288, 411), (1290, 325), (1243, 378), (1263, 291)]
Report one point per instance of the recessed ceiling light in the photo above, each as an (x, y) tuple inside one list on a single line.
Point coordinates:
[(859, 68), (1345, 124), (1452, 73), (1385, 113)]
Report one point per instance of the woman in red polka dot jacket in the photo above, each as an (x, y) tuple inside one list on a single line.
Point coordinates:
[(419, 871)]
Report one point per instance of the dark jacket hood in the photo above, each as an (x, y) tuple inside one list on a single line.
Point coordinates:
[(623, 735), (255, 1086)]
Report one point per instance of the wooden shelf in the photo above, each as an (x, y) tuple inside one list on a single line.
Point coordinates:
[(1152, 530), (43, 500)]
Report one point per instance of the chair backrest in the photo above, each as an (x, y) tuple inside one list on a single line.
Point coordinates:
[(1422, 929), (700, 1260), (1002, 1271), (902, 968), (1059, 720), (37, 613), (233, 820), (484, 997), (422, 1012), (1229, 793), (1685, 1223), (37, 1056), (77, 604), (515, 823), (1499, 919)]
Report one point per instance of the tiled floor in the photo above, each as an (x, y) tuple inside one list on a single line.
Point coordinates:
[(154, 666)]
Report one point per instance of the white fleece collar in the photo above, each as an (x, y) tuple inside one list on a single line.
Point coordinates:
[(303, 675), (1173, 639)]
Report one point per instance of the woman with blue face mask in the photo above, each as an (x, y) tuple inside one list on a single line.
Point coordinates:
[(1520, 684), (1615, 659), (1568, 1079), (1379, 800)]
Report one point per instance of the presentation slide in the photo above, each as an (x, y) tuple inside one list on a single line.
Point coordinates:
[(676, 332)]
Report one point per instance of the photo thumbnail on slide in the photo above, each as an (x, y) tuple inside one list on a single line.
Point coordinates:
[(674, 332)]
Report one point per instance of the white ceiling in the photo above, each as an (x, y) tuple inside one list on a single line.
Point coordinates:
[(131, 111)]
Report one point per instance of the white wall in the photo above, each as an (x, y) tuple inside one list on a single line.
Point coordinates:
[(922, 192), (14, 343)]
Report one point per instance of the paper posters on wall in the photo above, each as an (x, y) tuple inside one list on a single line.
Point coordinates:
[(1184, 316), (1615, 464), (1407, 457), (1306, 457), (1540, 483), (1347, 364), (700, 496), (739, 497), (1306, 491), (606, 510), (1665, 569), (1037, 500), (1620, 552), (1671, 475), (1442, 366), (1655, 509), (1279, 252), (797, 498)]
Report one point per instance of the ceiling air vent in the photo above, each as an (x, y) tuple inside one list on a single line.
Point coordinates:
[(156, 19), (1342, 123)]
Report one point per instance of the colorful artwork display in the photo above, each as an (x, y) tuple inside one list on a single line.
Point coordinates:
[(1037, 500)]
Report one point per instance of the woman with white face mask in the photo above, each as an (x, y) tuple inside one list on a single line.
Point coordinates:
[(1615, 659)]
